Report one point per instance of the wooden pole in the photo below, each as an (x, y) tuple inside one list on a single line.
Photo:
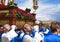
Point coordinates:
[(13, 16)]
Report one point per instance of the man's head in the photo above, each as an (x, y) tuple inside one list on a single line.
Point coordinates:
[(27, 28), (42, 26), (54, 28), (6, 27), (13, 27), (1, 29)]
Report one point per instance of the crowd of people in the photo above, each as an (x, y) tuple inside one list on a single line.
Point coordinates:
[(28, 33)]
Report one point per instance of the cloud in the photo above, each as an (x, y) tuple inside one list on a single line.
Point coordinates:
[(49, 12), (26, 4), (20, 1), (49, 1)]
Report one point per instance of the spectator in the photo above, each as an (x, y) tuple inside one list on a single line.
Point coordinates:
[(4, 35), (25, 35), (1, 32), (36, 29), (28, 38), (9, 33), (43, 29), (53, 37)]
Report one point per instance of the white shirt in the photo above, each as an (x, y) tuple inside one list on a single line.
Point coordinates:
[(46, 32), (11, 34), (28, 38), (8, 36), (36, 28)]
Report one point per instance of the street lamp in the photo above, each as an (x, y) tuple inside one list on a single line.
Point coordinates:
[(35, 7), (12, 2)]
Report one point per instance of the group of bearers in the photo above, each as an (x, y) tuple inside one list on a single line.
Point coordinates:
[(28, 33)]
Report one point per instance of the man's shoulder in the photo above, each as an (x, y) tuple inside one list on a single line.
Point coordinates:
[(52, 36), (27, 37), (21, 35), (3, 34)]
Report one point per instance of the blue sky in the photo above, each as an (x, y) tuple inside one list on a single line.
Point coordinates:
[(48, 9)]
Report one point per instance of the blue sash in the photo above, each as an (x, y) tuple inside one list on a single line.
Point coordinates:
[(32, 34), (18, 39)]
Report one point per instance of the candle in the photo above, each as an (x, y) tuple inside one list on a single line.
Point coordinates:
[(11, 0)]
